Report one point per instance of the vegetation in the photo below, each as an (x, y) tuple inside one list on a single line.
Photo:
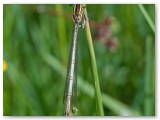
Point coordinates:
[(35, 53)]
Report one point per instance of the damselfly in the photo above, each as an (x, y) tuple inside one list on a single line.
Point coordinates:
[(70, 93)]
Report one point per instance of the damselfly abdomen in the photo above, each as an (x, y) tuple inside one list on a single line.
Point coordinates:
[(70, 93)]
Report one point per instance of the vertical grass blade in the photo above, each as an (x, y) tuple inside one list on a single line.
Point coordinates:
[(147, 17), (148, 103), (61, 32), (94, 68)]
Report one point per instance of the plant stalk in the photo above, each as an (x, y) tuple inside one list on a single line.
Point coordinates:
[(61, 33), (98, 94), (148, 99), (147, 17)]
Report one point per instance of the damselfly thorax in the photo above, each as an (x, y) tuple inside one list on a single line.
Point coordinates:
[(78, 12)]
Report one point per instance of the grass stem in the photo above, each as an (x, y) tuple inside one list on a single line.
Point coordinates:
[(61, 33), (147, 17), (148, 99), (98, 94)]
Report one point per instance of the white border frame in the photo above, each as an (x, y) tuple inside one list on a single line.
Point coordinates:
[(157, 63)]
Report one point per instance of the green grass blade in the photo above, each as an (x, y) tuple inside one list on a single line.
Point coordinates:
[(148, 103), (147, 17), (94, 69), (61, 32)]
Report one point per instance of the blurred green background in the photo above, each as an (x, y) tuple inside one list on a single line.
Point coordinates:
[(36, 42)]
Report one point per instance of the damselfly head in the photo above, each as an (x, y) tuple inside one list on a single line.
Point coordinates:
[(78, 12)]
